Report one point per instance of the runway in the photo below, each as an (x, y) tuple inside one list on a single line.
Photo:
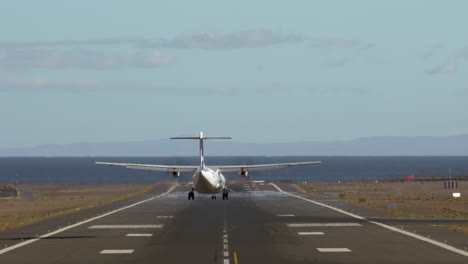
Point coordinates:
[(260, 223)]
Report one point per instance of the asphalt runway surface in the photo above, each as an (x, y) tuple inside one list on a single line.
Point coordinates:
[(260, 223)]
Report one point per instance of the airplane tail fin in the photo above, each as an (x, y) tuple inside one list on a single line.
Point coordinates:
[(201, 138)]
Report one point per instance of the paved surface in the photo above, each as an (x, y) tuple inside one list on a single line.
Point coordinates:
[(259, 224)]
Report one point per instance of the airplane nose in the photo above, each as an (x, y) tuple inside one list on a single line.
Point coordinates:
[(207, 177)]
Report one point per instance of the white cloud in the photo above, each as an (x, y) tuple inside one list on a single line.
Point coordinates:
[(447, 68), (210, 40), (336, 63), (154, 58), (336, 43), (77, 58)]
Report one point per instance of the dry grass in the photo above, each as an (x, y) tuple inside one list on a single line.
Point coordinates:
[(426, 199), (57, 200), (458, 228)]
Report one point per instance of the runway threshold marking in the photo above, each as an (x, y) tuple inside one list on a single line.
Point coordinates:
[(322, 224), (117, 251), (139, 235), (27, 242), (428, 240), (333, 250)]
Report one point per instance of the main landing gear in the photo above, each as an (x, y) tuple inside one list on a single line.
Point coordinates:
[(225, 195), (213, 197), (191, 194)]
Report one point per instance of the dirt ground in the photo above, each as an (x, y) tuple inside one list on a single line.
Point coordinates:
[(54, 200), (420, 199)]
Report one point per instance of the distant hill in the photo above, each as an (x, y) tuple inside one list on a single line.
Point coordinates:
[(370, 146)]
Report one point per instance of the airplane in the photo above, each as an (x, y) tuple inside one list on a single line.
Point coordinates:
[(207, 180)]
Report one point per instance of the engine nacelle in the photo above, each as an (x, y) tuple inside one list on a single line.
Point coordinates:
[(175, 174), (244, 173)]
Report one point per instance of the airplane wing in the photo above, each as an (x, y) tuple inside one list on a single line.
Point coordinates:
[(243, 168), (168, 168)]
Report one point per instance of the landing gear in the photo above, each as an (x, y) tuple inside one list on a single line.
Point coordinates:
[(213, 197), (225, 195), (191, 194)]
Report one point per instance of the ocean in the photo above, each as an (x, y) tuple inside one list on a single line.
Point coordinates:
[(83, 171)]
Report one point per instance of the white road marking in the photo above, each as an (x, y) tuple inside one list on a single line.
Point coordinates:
[(333, 250), (139, 235), (225, 236), (226, 261), (117, 251), (27, 242), (225, 241), (123, 226), (225, 246), (310, 233), (285, 215), (322, 224), (164, 216), (226, 253), (428, 240)]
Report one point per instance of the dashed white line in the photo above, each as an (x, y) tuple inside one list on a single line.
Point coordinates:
[(310, 233), (117, 251), (164, 216), (226, 253), (285, 215), (322, 224), (123, 226), (139, 235), (27, 242), (328, 250), (428, 240)]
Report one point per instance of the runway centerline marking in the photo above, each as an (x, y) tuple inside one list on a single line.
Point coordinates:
[(117, 251), (123, 226), (139, 235), (322, 224), (285, 215), (27, 242), (328, 250), (428, 240)]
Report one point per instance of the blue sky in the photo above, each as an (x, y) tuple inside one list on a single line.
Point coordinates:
[(269, 71)]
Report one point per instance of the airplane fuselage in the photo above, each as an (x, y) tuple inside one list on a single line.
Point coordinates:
[(206, 180)]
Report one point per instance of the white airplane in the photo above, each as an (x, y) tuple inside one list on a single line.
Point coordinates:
[(207, 180)]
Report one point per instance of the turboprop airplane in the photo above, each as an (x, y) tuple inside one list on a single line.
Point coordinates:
[(207, 180)]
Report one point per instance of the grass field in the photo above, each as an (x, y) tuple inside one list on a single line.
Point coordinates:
[(54, 200)]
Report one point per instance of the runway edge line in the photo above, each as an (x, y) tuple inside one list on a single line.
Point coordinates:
[(428, 240), (5, 250)]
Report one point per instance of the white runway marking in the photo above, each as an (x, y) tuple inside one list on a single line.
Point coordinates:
[(27, 242), (333, 250), (164, 216), (139, 235), (123, 226), (117, 251), (226, 253), (310, 233), (322, 224), (428, 240), (285, 215)]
